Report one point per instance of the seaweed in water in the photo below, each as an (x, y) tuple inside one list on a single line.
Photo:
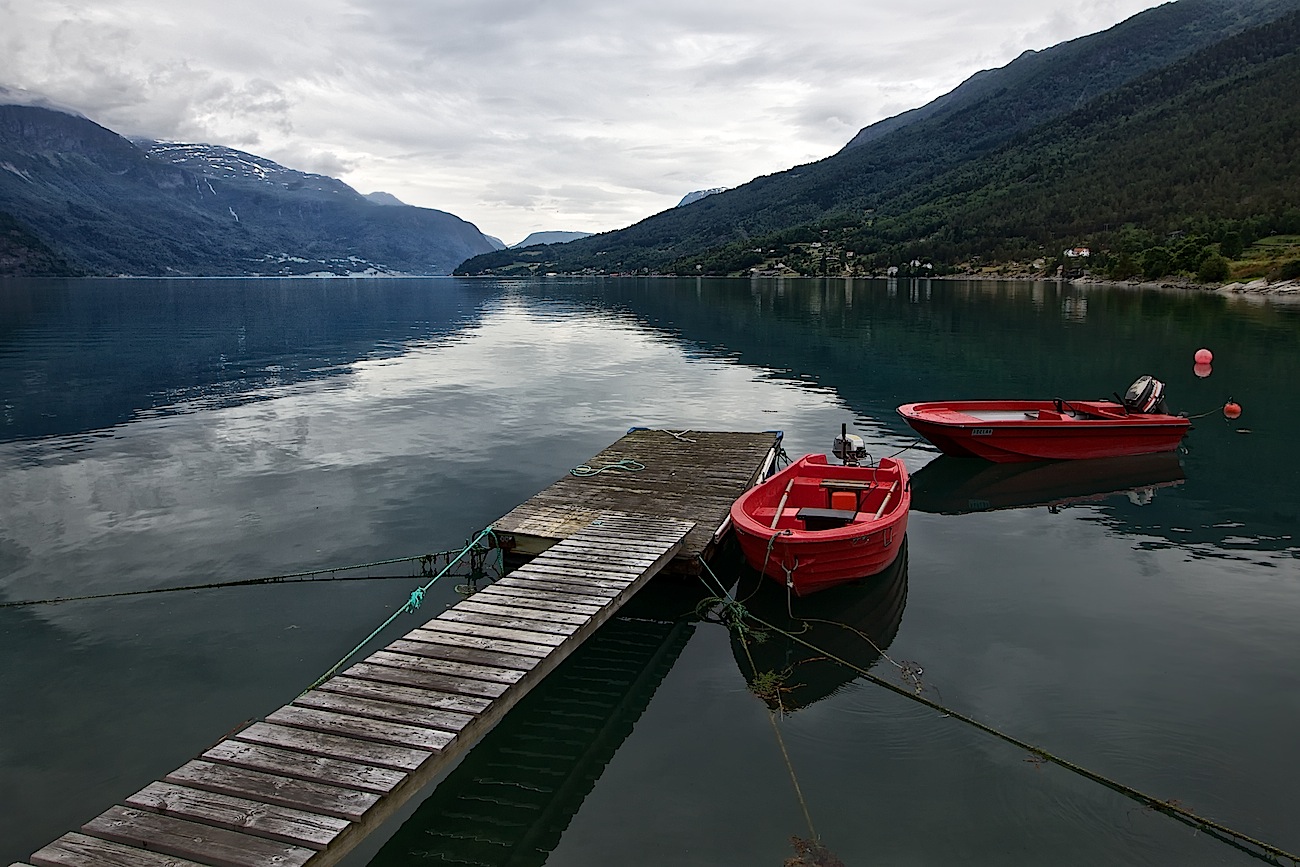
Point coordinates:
[(810, 853)]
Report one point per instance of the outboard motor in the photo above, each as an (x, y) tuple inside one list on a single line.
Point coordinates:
[(848, 447), (1146, 396)]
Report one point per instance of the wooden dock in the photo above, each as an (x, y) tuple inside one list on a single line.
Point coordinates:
[(310, 781), (691, 475)]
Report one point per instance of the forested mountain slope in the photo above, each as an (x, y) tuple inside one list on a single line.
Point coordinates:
[(889, 165)]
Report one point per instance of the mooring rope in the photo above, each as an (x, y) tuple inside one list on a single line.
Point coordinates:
[(287, 578), (785, 754), (415, 600), (907, 448), (626, 465), (1171, 808)]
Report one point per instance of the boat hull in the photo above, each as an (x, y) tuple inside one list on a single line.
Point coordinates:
[(1006, 431), (811, 549)]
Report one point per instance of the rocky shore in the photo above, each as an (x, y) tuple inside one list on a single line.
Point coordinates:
[(1262, 287)]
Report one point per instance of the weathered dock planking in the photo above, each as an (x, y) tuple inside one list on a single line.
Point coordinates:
[(307, 783), (691, 475)]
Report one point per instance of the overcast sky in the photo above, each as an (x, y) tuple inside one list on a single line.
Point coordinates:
[(521, 116)]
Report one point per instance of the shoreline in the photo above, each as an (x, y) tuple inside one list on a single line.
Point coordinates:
[(1254, 288)]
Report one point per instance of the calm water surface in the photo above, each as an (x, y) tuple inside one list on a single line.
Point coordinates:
[(1139, 619)]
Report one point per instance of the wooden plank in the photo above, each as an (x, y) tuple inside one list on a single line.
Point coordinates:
[(361, 728), (405, 695), (524, 636), (455, 653), (504, 622), (505, 609), (612, 543), (184, 839), (303, 766), (385, 710), (533, 598), (319, 798), (285, 824), (431, 634), (334, 746), (616, 568), (425, 680), (603, 570), (589, 576), (80, 850), (612, 547), (540, 583), (450, 668)]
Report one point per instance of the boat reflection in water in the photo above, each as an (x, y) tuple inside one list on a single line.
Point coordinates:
[(956, 486), (855, 622)]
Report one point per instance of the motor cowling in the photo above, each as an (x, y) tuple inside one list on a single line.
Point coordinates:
[(1145, 396), (849, 448)]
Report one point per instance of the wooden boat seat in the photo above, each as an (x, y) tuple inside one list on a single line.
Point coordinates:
[(846, 485), (825, 519)]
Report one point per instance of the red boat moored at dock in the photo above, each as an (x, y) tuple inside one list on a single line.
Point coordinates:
[(816, 524)]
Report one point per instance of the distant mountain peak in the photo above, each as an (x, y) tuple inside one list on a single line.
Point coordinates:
[(387, 199), (24, 97), (83, 195), (699, 194), (550, 238)]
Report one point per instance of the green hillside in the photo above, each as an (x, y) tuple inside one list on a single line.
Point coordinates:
[(1013, 164)]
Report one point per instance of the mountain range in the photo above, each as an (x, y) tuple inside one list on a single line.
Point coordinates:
[(1162, 144), (1177, 121), (78, 198)]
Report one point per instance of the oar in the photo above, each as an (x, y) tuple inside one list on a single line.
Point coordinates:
[(780, 507), (885, 502)]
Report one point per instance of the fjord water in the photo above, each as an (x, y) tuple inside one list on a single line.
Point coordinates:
[(164, 433)]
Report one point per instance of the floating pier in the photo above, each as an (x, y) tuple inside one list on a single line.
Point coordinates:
[(310, 781), (691, 475)]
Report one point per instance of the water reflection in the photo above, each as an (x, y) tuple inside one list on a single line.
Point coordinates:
[(791, 666), (951, 485), (877, 344), (85, 355), (511, 798)]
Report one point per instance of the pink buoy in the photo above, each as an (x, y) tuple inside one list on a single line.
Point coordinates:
[(1204, 356), (1201, 370), (1232, 409)]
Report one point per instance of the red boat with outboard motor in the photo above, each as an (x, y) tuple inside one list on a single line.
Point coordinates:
[(816, 524), (1037, 430)]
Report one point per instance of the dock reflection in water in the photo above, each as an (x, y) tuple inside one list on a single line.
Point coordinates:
[(956, 486), (854, 622), (511, 798)]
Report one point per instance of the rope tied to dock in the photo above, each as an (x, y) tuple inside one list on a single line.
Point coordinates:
[(426, 562), (625, 465), (413, 602), (735, 612)]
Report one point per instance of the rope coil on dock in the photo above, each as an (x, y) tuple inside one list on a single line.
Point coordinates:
[(626, 465)]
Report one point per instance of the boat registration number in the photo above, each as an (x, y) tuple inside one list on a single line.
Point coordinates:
[(981, 432)]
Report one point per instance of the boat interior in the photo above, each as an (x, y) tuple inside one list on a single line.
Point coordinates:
[(825, 504)]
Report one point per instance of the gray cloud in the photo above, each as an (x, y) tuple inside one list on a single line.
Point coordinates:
[(520, 116)]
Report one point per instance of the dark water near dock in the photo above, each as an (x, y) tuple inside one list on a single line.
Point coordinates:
[(161, 433)]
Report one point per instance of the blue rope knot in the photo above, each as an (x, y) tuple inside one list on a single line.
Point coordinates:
[(417, 599)]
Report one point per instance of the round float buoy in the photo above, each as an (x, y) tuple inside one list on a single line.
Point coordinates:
[(1231, 409), (1204, 356), (1201, 370)]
